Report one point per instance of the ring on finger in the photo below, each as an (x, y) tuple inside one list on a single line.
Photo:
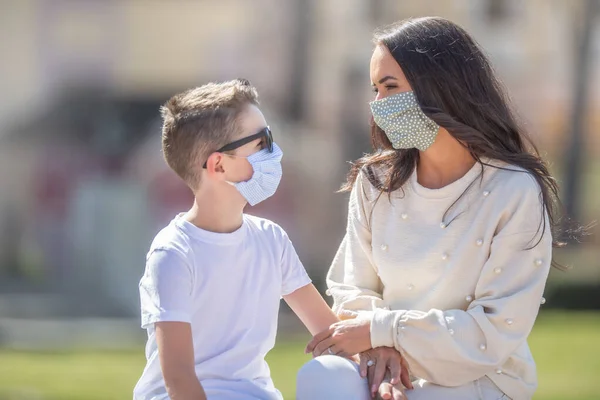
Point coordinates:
[(370, 363), (330, 352)]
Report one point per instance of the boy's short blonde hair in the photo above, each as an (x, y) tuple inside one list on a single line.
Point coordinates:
[(199, 121)]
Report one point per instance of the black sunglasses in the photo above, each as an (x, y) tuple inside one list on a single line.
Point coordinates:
[(266, 133)]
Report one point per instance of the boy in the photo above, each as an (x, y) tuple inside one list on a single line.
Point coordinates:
[(214, 276)]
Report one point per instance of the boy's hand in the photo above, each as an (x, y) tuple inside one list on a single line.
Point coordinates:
[(345, 338), (387, 391)]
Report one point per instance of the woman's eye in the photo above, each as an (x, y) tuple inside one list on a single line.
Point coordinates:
[(388, 87)]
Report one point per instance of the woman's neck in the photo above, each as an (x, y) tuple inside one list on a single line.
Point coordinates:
[(444, 162)]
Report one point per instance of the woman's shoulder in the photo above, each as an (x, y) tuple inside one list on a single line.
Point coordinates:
[(512, 182), (371, 180)]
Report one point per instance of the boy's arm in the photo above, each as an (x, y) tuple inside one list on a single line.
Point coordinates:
[(176, 352), (309, 306)]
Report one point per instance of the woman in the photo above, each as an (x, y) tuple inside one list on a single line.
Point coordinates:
[(449, 237)]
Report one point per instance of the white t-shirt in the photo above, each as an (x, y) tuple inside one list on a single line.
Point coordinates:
[(228, 287)]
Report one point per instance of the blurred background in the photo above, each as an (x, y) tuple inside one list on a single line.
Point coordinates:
[(84, 188)]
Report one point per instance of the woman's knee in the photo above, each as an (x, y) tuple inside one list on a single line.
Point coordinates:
[(330, 377), (480, 389)]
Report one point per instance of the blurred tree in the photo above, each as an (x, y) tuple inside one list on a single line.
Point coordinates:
[(497, 11), (302, 10), (575, 152), (354, 119)]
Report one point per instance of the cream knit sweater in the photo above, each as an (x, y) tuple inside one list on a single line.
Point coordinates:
[(456, 292)]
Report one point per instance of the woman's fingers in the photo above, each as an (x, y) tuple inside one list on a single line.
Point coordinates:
[(395, 370), (318, 338), (380, 368), (334, 350), (405, 375), (370, 377), (364, 358), (344, 354), (324, 348)]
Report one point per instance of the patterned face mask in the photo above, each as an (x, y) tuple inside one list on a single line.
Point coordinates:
[(403, 121)]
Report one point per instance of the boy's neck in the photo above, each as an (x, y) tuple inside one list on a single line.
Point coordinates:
[(216, 214)]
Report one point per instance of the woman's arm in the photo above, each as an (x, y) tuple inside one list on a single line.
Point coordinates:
[(352, 278)]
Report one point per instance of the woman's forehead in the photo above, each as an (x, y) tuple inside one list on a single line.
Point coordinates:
[(383, 63)]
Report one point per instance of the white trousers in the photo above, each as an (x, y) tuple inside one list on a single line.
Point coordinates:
[(333, 377)]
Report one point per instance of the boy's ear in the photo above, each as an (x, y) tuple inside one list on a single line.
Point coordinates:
[(215, 165)]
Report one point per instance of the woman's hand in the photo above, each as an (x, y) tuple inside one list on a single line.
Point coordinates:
[(375, 363), (344, 338)]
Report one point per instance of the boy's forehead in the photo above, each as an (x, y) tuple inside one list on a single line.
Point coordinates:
[(251, 121)]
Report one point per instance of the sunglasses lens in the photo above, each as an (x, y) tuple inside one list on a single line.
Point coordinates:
[(269, 140)]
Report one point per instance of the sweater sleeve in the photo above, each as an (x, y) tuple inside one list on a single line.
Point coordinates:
[(352, 279), (454, 347)]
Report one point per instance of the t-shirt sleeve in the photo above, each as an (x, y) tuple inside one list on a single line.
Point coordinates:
[(166, 288), (293, 275)]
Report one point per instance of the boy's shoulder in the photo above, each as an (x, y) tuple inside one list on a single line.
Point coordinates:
[(266, 227), (176, 239), (171, 238)]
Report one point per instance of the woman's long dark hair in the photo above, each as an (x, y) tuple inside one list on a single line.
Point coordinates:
[(456, 87)]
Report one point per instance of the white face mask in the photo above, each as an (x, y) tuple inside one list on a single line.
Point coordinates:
[(265, 178), (403, 121)]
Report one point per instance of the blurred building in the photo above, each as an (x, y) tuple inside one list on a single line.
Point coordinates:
[(82, 182)]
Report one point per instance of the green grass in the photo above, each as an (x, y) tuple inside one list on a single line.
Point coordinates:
[(566, 347)]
